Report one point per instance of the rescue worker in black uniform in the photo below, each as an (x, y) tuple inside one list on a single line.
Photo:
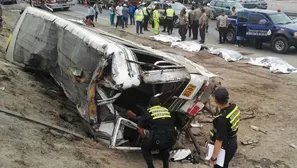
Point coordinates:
[(157, 120), (225, 127)]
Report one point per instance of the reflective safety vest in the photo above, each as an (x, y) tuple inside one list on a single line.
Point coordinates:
[(233, 117), (156, 15), (159, 112), (139, 15), (169, 13), (144, 11)]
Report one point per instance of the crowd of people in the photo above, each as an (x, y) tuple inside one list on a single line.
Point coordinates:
[(194, 22)]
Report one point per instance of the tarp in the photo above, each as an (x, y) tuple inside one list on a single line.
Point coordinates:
[(228, 55), (165, 38), (191, 46), (275, 64)]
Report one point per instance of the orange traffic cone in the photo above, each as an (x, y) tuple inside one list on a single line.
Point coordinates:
[(86, 3)]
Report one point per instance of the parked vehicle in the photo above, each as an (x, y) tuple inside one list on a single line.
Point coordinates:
[(250, 4), (218, 6), (176, 6), (268, 26), (8, 2), (113, 76), (52, 4)]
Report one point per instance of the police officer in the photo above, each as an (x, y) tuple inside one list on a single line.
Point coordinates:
[(156, 20), (208, 14), (146, 17), (225, 127), (190, 20), (161, 137), (169, 13), (195, 26)]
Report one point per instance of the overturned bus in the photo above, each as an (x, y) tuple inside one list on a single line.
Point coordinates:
[(104, 75)]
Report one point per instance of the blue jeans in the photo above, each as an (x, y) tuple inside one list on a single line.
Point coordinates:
[(138, 27)]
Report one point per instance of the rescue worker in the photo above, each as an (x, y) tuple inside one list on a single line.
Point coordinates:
[(169, 13), (183, 22), (156, 19), (233, 11), (225, 127), (139, 19), (196, 17), (146, 17), (202, 27), (190, 20), (209, 14), (158, 120)]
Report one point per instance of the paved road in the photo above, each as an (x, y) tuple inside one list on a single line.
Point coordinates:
[(80, 11)]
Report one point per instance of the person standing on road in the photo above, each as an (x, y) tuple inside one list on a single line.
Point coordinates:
[(233, 11), (146, 17), (156, 18), (119, 14), (91, 13), (169, 13), (183, 21), (209, 14), (157, 129), (165, 22), (111, 15), (225, 127), (139, 19), (222, 24), (96, 8), (196, 17), (131, 13), (202, 27), (125, 15), (190, 20)]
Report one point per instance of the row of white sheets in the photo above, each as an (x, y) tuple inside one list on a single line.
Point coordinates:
[(274, 64)]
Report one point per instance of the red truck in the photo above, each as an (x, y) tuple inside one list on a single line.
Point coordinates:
[(52, 4)]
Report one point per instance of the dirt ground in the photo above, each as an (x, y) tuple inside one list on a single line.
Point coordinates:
[(271, 97)]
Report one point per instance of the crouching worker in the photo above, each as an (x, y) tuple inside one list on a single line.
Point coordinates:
[(156, 128), (88, 21)]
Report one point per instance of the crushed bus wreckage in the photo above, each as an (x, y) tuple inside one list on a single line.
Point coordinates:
[(105, 75)]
